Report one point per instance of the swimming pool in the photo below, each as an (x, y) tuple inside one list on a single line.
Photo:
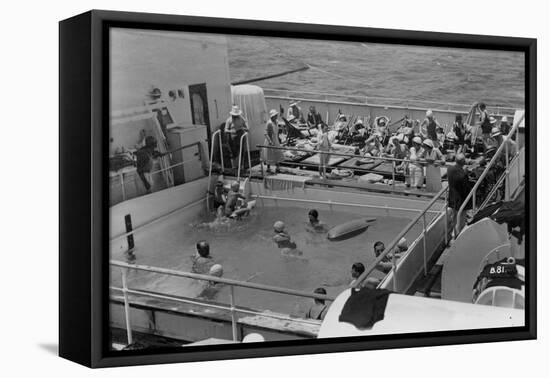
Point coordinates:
[(247, 253)]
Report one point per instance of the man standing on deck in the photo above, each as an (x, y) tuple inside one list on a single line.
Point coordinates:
[(459, 187), (237, 126), (144, 161)]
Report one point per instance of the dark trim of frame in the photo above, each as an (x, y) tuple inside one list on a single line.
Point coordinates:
[(84, 102), (75, 211)]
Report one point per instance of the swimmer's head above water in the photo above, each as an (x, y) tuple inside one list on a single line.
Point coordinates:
[(203, 248), (313, 216), (379, 248), (357, 269), (216, 270), (279, 226)]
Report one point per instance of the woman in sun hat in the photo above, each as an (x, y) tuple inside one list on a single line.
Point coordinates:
[(236, 125), (272, 156), (434, 158), (504, 125), (295, 111)]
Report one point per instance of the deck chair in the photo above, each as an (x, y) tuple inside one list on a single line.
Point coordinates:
[(293, 132)]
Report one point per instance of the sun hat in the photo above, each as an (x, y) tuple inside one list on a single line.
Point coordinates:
[(273, 113), (381, 121), (428, 142), (291, 118), (235, 111), (359, 122), (294, 103), (492, 120), (279, 226), (495, 131), (417, 140), (429, 113), (341, 116), (504, 119)]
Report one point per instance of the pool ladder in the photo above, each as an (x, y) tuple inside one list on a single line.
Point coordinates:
[(217, 134)]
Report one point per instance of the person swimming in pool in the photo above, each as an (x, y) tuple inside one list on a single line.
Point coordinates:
[(219, 195), (236, 205), (283, 240), (387, 261), (315, 225), (202, 260), (356, 270)]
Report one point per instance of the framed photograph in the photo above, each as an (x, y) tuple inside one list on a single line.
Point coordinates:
[(234, 188)]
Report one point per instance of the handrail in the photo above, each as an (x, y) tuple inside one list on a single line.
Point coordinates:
[(233, 309), (213, 137), (334, 153), (240, 153), (496, 157), (332, 203), (366, 98), (217, 306), (391, 246), (226, 281)]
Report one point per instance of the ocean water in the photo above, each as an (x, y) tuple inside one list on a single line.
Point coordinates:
[(380, 70)]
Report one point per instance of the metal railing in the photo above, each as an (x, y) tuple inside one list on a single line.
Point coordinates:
[(394, 161), (284, 94), (393, 244), (497, 156), (232, 308), (161, 170), (215, 134), (245, 135), (336, 203)]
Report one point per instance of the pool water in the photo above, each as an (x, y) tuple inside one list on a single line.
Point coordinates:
[(247, 252)]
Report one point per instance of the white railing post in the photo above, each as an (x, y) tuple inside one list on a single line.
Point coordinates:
[(446, 209), (394, 269), (507, 173), (249, 159), (216, 133), (240, 156), (424, 244), (122, 186), (233, 315), (126, 306), (393, 174), (221, 150)]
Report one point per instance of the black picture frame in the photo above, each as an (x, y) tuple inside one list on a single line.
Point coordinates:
[(84, 119)]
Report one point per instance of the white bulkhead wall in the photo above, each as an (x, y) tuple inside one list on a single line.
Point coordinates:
[(142, 60)]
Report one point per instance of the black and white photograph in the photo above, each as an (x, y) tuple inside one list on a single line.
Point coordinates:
[(266, 189)]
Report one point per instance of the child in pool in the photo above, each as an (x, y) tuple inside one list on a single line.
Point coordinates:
[(283, 241), (315, 225)]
